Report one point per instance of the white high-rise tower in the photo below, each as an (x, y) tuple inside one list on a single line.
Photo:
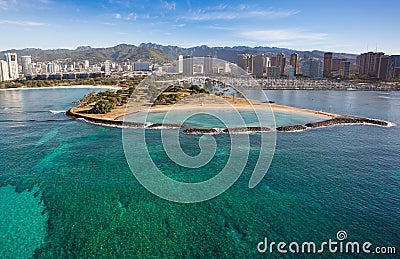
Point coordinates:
[(180, 64), (4, 71), (26, 65), (11, 59)]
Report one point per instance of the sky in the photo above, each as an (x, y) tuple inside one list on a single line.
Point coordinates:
[(351, 26)]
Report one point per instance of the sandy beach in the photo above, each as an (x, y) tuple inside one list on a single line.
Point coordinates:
[(202, 104)]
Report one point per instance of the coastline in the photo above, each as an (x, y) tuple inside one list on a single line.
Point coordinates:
[(64, 87), (327, 119), (241, 105)]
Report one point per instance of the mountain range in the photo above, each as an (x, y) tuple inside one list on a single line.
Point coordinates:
[(156, 52)]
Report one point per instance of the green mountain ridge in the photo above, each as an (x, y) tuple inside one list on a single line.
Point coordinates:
[(157, 53), (119, 53)]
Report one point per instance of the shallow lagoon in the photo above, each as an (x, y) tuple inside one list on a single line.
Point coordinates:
[(207, 118)]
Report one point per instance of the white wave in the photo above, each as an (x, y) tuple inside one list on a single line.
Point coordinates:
[(390, 124), (149, 126), (297, 130), (57, 111)]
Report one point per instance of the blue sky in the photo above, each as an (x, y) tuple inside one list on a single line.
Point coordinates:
[(340, 26)]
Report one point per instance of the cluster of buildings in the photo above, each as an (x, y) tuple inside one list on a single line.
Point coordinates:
[(189, 66), (379, 66), (13, 68), (279, 66), (186, 66), (374, 65), (371, 65), (260, 66), (334, 66)]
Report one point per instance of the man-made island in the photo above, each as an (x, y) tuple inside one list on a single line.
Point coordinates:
[(107, 108)]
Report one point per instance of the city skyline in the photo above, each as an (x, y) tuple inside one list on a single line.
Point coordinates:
[(350, 27)]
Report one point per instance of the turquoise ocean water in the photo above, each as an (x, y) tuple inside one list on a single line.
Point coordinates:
[(67, 190)]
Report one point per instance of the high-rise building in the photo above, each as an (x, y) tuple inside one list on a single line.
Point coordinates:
[(396, 73), (289, 72), (86, 64), (396, 60), (386, 68), (378, 65), (369, 63), (12, 63), (345, 68), (208, 65), (258, 65), (327, 64), (52, 68), (336, 66), (279, 61), (312, 68), (245, 62), (188, 65), (26, 62), (295, 62), (242, 62), (4, 75), (107, 67), (180, 64), (273, 72), (198, 69), (267, 62), (227, 68)]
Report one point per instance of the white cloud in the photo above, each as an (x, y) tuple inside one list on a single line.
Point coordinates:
[(22, 23), (109, 23), (204, 16), (168, 5), (273, 14), (4, 4), (237, 13), (26, 4), (218, 7), (131, 16), (117, 16), (216, 27)]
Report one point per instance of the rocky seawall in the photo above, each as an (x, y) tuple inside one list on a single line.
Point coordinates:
[(107, 122), (291, 128), (244, 130), (201, 131), (165, 126), (241, 130), (339, 120), (346, 120)]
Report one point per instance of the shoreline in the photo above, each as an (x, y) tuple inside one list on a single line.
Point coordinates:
[(328, 119), (243, 104), (64, 87)]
